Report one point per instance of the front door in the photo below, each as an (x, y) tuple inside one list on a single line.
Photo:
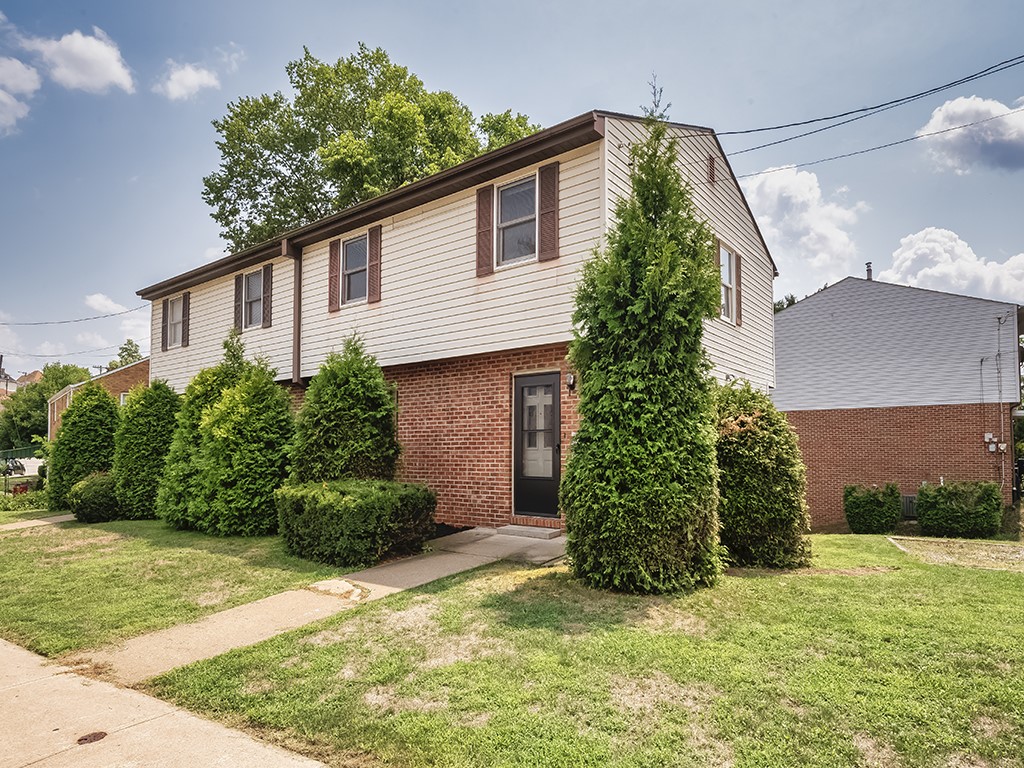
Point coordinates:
[(537, 445)]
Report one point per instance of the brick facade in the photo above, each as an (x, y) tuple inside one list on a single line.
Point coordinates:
[(117, 382), (906, 445), (455, 427)]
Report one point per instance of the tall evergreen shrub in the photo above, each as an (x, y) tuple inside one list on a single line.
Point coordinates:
[(762, 483), (639, 491), (84, 443), (140, 447), (346, 428), (179, 485), (243, 456)]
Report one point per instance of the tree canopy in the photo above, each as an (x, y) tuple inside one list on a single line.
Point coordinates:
[(353, 130), (128, 353), (26, 414)]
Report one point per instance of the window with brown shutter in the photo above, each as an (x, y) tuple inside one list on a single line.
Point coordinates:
[(334, 277), (268, 293), (728, 261), (547, 226), (484, 231), (185, 313), (373, 266), (238, 303), (739, 289), (164, 314)]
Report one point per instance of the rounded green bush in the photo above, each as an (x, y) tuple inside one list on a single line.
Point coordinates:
[(639, 491), (872, 510), (140, 447), (346, 428), (94, 499), (967, 510), (762, 483), (84, 443)]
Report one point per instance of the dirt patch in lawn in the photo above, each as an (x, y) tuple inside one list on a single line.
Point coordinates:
[(864, 570), (989, 727), (969, 554), (664, 617), (385, 698), (216, 595), (876, 754)]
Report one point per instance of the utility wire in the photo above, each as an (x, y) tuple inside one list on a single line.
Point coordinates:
[(1002, 65), (63, 354), (79, 319), (883, 146)]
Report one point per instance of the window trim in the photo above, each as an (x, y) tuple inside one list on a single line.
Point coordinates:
[(247, 300), (499, 262), (731, 286), (344, 272), (180, 323)]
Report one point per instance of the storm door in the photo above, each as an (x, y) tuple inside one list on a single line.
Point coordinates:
[(537, 445)]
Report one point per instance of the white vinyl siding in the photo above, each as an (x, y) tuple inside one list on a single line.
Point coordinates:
[(744, 351), (868, 344), (211, 317), (432, 303)]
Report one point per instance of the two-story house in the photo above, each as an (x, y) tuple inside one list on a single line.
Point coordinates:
[(462, 286), (887, 383)]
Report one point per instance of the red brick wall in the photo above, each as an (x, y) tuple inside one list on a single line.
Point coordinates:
[(904, 445), (455, 427), (116, 382)]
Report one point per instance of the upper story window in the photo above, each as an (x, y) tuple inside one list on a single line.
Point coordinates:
[(253, 302), (727, 261), (517, 221), (353, 270), (175, 321)]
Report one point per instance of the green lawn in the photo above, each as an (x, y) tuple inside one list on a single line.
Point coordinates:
[(70, 586), (16, 515), (872, 659)]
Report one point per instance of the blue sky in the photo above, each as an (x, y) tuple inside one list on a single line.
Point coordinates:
[(105, 134)]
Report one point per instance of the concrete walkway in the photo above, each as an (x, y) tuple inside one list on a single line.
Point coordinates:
[(36, 522), (55, 719)]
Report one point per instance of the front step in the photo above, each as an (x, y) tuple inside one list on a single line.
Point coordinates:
[(529, 531)]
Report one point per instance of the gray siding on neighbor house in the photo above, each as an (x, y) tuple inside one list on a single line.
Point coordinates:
[(868, 344)]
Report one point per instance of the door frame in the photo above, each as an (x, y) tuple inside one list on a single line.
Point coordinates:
[(557, 463)]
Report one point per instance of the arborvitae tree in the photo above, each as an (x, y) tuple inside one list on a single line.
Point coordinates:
[(346, 428), (84, 443), (762, 482), (180, 482), (140, 447), (639, 491), (243, 457)]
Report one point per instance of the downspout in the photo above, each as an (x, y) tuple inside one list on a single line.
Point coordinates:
[(290, 251)]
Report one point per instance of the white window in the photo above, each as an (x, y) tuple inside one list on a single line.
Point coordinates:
[(174, 322), (253, 302), (728, 264), (353, 270), (517, 221), (124, 398)]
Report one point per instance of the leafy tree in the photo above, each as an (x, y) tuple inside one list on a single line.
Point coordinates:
[(26, 412), (84, 444), (639, 491), (128, 353), (179, 484), (346, 428), (782, 304), (354, 129), (762, 482), (140, 447), (243, 457)]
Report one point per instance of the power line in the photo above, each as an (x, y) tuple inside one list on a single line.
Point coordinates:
[(999, 67), (63, 354), (79, 319), (884, 146)]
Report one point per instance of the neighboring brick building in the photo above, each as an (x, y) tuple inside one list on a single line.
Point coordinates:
[(886, 383), (462, 286), (117, 382)]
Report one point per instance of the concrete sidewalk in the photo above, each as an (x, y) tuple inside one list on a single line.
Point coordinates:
[(46, 711), (35, 522)]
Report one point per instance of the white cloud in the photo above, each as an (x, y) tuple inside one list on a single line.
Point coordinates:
[(11, 111), (91, 340), (995, 143), (231, 57), (807, 234), (133, 325), (103, 303), (938, 259), (183, 81), (82, 62), (16, 77), (51, 348)]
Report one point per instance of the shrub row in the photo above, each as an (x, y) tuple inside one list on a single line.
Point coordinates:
[(962, 510), (872, 510), (354, 523)]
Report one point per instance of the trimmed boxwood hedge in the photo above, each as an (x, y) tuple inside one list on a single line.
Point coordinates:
[(94, 499), (872, 510), (355, 523), (968, 510)]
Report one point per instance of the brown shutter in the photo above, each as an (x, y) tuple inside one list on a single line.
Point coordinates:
[(738, 292), (334, 277), (268, 293), (164, 322), (548, 225), (238, 303), (184, 318), (373, 265), (718, 257), (484, 231)]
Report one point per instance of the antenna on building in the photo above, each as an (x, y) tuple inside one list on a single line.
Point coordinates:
[(868, 265)]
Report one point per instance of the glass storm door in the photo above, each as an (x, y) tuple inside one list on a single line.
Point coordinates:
[(537, 445)]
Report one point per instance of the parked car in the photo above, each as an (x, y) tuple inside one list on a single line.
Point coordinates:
[(13, 467)]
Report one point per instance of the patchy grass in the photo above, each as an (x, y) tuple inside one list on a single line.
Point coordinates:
[(968, 553), (16, 515), (873, 659), (66, 587)]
